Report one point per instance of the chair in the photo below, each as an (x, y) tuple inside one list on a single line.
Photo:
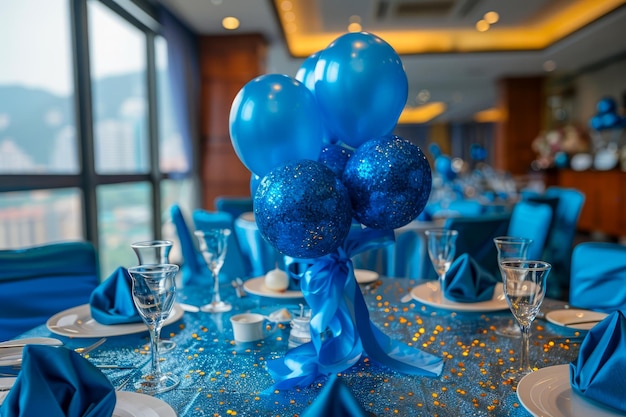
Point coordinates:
[(236, 206), (476, 237), (38, 282), (235, 265), (598, 280), (561, 239), (261, 256), (532, 221)]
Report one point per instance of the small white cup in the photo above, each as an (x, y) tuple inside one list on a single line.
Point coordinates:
[(250, 327)]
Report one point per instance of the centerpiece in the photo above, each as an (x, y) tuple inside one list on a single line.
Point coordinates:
[(329, 180)]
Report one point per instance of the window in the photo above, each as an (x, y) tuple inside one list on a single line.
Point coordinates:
[(87, 140)]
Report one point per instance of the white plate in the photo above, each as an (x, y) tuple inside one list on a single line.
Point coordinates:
[(77, 322), (11, 356), (256, 286), (364, 276), (428, 293), (127, 404), (547, 392), (573, 318), (133, 404)]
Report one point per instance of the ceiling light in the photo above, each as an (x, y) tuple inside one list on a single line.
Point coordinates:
[(482, 25), (423, 96), (492, 17), (354, 27), (549, 66), (230, 23), (289, 16), (421, 114), (491, 115), (286, 5)]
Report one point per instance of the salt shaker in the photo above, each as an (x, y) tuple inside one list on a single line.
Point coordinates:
[(300, 329)]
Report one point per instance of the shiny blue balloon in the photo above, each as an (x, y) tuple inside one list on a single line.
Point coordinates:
[(361, 87), (335, 157), (389, 182), (606, 105), (306, 75), (443, 165), (274, 119), (596, 122), (611, 121), (302, 209), (255, 180)]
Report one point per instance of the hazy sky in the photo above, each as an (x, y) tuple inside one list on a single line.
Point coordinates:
[(35, 44)]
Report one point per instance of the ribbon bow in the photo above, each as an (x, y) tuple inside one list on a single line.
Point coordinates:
[(341, 329)]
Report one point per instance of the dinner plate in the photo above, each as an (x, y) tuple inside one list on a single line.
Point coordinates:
[(11, 356), (428, 293), (547, 392), (77, 322), (256, 286), (127, 404), (364, 276), (133, 404), (574, 318)]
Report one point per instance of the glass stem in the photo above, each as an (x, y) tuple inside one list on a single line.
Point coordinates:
[(442, 279), (525, 360), (216, 288), (155, 333)]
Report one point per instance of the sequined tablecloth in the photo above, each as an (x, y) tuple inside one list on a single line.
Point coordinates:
[(222, 378)]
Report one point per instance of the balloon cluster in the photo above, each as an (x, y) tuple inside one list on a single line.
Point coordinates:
[(607, 116), (321, 151)]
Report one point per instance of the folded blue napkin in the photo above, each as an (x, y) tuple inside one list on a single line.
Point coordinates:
[(598, 372), (58, 382), (112, 301), (335, 400), (467, 282)]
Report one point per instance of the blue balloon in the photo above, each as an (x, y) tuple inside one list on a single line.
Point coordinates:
[(335, 157), (306, 75), (274, 119), (302, 209), (434, 150), (596, 122), (611, 121), (606, 105), (443, 165), (255, 180), (361, 88), (389, 182)]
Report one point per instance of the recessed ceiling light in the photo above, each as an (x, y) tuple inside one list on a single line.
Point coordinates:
[(482, 25), (492, 17), (549, 66), (354, 27), (230, 23), (286, 5)]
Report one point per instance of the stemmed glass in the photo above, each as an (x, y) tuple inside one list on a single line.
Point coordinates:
[(155, 252), (213, 245), (154, 292), (524, 288), (441, 248), (511, 248)]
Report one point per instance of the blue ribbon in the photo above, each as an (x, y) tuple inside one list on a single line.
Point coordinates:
[(341, 329)]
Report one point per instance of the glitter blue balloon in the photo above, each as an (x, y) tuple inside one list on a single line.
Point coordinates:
[(389, 182), (302, 209), (335, 157)]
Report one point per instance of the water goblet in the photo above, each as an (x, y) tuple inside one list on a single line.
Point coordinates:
[(154, 292), (441, 248), (213, 245), (155, 252), (524, 288), (511, 248)]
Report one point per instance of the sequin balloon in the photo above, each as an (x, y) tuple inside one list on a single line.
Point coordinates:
[(389, 182), (302, 209), (335, 157)]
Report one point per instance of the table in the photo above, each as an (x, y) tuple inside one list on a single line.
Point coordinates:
[(221, 377)]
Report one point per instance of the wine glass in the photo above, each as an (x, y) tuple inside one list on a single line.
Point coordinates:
[(154, 292), (155, 252), (213, 245), (441, 248), (511, 248), (524, 288)]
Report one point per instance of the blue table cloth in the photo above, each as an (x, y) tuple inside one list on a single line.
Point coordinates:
[(221, 377)]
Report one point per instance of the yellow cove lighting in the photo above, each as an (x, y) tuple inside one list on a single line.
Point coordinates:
[(421, 114)]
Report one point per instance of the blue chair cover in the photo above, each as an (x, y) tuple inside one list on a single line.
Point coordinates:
[(260, 255), (236, 206), (532, 221), (476, 237), (235, 265), (38, 282), (459, 207), (598, 280), (410, 253), (193, 268), (561, 239)]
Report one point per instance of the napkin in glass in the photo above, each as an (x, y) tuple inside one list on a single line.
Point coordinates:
[(598, 372), (58, 382), (468, 282), (335, 400), (112, 301)]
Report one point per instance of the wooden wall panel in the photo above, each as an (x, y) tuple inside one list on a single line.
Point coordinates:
[(227, 64)]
